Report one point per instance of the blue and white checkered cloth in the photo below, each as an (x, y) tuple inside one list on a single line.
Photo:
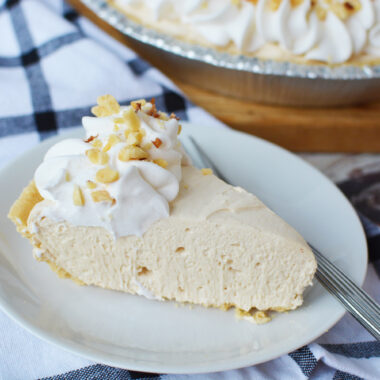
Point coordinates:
[(53, 64)]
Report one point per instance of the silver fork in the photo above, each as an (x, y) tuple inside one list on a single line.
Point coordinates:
[(356, 301)]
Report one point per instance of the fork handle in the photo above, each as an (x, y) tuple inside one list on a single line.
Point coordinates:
[(356, 301)]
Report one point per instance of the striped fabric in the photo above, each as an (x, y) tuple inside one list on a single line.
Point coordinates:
[(53, 63)]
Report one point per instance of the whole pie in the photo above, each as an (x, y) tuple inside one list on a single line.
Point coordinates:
[(124, 209), (304, 31)]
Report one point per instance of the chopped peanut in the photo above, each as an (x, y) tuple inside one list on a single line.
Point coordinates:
[(97, 157), (101, 196), (78, 197), (91, 184), (132, 120), (132, 153), (161, 162), (90, 139), (110, 102), (133, 138), (137, 104), (107, 106), (100, 111), (112, 140), (67, 177), (157, 142), (107, 175)]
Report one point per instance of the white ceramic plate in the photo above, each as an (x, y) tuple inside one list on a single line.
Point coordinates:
[(135, 333)]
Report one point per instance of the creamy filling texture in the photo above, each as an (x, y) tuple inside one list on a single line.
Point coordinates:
[(220, 246), (331, 31), (121, 177)]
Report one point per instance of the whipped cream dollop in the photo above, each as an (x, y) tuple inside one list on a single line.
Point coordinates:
[(331, 31), (122, 176)]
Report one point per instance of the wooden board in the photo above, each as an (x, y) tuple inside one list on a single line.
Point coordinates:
[(346, 129)]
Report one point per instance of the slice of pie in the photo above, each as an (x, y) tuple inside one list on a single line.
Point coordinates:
[(124, 210)]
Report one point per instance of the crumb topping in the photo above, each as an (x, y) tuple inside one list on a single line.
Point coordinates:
[(206, 171), (78, 197), (254, 316)]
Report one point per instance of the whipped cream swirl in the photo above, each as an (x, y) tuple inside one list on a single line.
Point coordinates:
[(122, 177), (322, 30)]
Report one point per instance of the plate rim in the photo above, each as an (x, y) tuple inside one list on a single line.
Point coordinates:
[(216, 366)]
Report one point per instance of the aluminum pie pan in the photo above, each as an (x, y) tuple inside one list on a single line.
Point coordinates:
[(266, 81)]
